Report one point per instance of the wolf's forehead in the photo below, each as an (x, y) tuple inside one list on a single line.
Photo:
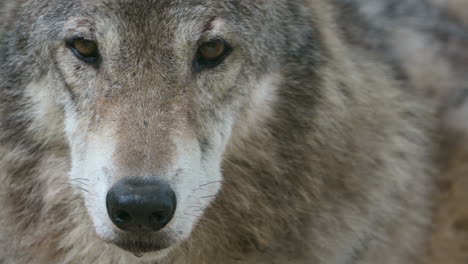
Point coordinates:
[(147, 15), (139, 22)]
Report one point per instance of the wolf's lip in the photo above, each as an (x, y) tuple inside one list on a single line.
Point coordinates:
[(138, 248)]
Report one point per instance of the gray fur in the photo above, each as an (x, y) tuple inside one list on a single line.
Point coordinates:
[(338, 172)]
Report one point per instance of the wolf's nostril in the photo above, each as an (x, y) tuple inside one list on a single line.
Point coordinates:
[(159, 216), (122, 217)]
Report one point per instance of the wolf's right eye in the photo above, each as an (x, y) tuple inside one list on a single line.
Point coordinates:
[(210, 54), (84, 49)]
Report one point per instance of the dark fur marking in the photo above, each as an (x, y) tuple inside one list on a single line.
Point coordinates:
[(204, 143), (61, 75)]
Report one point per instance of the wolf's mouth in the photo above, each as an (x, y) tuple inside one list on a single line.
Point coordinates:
[(141, 243), (139, 247)]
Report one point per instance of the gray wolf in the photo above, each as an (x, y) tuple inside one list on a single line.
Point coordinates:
[(280, 131)]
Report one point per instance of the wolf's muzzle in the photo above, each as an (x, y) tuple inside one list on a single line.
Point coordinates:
[(141, 205)]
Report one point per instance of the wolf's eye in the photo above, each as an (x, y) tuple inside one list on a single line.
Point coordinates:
[(84, 49), (212, 53)]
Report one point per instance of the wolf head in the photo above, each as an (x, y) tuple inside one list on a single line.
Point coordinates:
[(150, 94)]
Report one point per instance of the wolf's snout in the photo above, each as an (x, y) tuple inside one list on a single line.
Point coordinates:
[(140, 205)]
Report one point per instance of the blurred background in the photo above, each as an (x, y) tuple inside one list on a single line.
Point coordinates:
[(450, 236)]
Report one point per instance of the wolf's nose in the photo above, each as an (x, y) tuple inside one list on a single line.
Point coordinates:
[(138, 205)]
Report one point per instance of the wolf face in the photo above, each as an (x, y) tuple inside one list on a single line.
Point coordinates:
[(151, 94)]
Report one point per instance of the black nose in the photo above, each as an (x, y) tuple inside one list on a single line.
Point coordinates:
[(140, 205)]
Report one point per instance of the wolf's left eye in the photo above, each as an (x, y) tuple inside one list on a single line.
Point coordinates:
[(84, 49), (212, 53)]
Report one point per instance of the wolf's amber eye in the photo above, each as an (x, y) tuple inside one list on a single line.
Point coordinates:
[(212, 53), (212, 50), (86, 50)]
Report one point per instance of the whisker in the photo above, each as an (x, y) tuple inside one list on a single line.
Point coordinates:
[(213, 182), (196, 224), (201, 189), (209, 196), (80, 181), (74, 186), (237, 166), (76, 214), (202, 218)]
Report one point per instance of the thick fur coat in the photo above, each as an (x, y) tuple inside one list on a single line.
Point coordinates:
[(311, 143)]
